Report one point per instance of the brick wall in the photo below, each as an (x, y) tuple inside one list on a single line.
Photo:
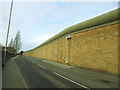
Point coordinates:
[(94, 49)]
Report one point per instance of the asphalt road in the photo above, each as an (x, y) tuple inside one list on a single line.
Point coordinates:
[(40, 73)]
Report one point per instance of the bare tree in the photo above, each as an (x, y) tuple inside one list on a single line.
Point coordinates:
[(17, 41), (11, 43)]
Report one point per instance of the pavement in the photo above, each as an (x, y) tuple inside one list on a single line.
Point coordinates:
[(13, 78)]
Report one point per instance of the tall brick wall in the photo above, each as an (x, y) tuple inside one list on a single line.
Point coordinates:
[(95, 49)]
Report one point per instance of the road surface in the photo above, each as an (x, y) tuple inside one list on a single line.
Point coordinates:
[(39, 73)]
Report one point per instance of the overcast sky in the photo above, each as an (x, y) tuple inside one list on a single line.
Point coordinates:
[(38, 21)]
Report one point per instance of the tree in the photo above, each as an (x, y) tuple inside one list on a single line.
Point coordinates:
[(17, 41), (11, 43)]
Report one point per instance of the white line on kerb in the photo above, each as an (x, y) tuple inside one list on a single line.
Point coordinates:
[(42, 67), (72, 81)]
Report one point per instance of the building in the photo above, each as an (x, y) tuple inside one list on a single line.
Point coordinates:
[(9, 49)]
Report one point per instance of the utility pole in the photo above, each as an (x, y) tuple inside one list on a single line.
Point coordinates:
[(7, 33)]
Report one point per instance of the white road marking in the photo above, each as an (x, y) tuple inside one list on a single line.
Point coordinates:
[(42, 67), (72, 81)]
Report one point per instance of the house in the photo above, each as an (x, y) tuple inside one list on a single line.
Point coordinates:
[(9, 49)]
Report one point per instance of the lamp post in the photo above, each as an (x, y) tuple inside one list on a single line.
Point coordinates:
[(7, 32)]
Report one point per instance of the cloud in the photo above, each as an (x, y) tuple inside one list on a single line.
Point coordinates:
[(44, 37), (30, 44), (27, 45)]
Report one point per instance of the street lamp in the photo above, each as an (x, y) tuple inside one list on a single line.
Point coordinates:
[(7, 32)]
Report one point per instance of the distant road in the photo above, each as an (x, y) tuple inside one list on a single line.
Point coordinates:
[(40, 73)]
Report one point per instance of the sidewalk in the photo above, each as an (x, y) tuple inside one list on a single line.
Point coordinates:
[(11, 76)]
